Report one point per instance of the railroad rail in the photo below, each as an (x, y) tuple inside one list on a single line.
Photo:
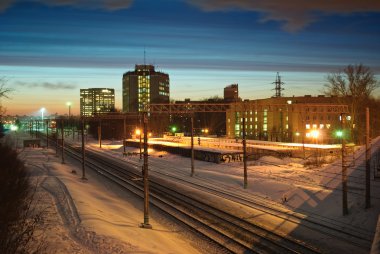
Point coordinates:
[(230, 232)]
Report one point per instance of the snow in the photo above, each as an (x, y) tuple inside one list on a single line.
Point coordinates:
[(109, 217), (93, 216)]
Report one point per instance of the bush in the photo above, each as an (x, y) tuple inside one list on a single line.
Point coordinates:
[(18, 220)]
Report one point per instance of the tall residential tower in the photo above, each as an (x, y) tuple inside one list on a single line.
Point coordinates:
[(143, 86)]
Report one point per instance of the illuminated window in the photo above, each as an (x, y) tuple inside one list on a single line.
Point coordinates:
[(321, 126), (314, 126), (307, 126)]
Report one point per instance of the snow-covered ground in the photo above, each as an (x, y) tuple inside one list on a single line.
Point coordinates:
[(101, 216), (94, 216)]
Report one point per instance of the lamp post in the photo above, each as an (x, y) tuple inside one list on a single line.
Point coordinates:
[(315, 135), (138, 132), (42, 117), (69, 105)]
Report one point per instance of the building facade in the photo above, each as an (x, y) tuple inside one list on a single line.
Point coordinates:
[(95, 101), (287, 119), (143, 86), (231, 93)]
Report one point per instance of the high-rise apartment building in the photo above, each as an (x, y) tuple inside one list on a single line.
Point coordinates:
[(143, 86), (95, 101)]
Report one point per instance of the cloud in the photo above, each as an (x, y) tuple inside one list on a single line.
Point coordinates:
[(4, 4), (295, 14), (47, 85), (111, 5)]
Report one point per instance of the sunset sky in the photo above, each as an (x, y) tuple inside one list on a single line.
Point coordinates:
[(49, 49)]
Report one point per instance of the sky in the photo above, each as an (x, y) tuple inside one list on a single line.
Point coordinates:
[(49, 49)]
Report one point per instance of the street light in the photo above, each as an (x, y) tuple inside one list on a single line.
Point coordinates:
[(42, 113), (314, 134), (42, 116), (339, 134), (69, 105)]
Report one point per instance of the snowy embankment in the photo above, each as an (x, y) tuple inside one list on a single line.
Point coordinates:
[(94, 216)]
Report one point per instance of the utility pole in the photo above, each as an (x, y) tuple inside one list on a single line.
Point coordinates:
[(278, 83), (140, 136), (47, 134), (37, 128), (83, 153), (100, 133), (125, 134), (56, 138), (145, 176), (63, 142), (367, 164), (344, 166), (245, 155), (192, 145)]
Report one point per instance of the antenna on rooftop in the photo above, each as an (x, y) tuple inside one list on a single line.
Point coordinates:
[(278, 87), (144, 55)]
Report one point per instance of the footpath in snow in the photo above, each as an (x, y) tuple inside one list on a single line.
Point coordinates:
[(94, 216)]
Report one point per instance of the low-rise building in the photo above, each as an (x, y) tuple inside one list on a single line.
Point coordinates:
[(287, 119)]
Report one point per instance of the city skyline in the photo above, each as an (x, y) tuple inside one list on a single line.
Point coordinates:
[(50, 50)]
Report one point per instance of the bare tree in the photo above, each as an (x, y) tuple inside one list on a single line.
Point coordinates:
[(353, 85), (4, 93), (4, 90)]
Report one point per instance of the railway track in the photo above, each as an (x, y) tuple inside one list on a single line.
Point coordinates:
[(230, 232), (213, 226), (339, 230)]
